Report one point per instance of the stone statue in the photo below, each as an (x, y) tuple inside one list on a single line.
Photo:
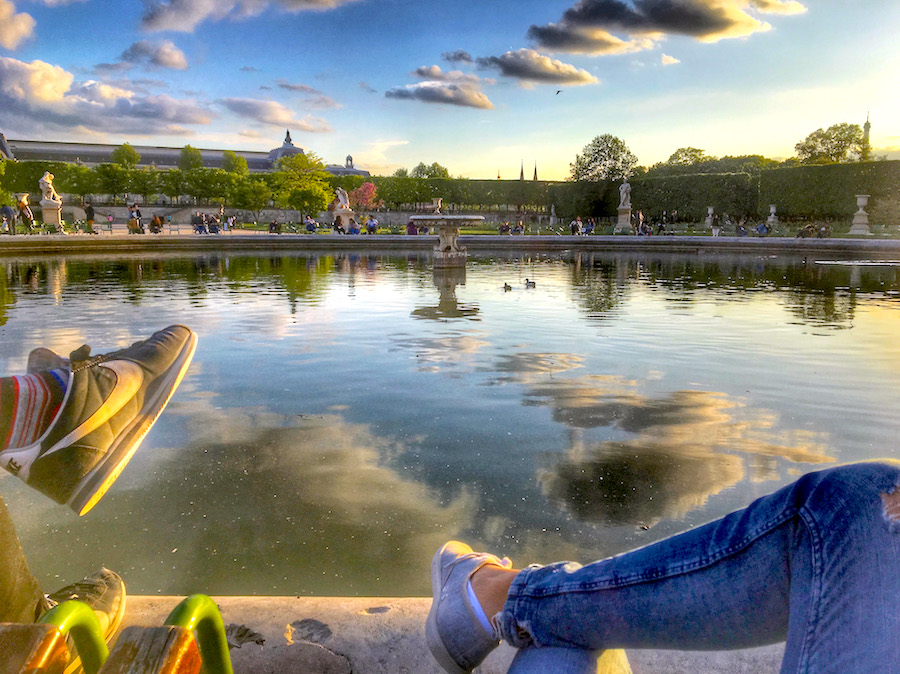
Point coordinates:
[(48, 192), (625, 195), (343, 198), (349, 162)]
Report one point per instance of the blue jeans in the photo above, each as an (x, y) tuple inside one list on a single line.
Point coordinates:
[(816, 564)]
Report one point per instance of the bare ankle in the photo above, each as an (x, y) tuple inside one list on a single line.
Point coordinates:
[(491, 585)]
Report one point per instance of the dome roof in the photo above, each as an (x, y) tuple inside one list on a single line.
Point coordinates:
[(287, 149)]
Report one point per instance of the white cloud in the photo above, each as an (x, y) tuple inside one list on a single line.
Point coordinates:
[(528, 65), (436, 74), (274, 113), (59, 3), (667, 60), (39, 96), (161, 54), (14, 27), (447, 93), (185, 15)]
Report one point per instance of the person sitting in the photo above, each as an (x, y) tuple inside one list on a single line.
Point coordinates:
[(214, 224), (338, 225), (762, 229), (411, 229), (815, 564), (311, 225), (274, 227), (353, 227), (156, 224), (134, 226), (504, 228), (372, 226)]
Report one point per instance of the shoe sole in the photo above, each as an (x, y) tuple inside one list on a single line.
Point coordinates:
[(95, 484), (432, 634)]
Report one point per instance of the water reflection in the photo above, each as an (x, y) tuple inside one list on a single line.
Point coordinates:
[(685, 448), (347, 407)]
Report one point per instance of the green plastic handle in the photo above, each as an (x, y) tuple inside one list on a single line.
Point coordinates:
[(200, 614), (78, 619)]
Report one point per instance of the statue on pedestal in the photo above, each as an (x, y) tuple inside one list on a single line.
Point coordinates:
[(51, 202), (625, 195), (343, 198)]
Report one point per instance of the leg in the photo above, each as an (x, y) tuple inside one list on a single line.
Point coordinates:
[(21, 599), (816, 563)]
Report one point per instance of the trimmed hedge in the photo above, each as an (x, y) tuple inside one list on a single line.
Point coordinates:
[(732, 193), (827, 191)]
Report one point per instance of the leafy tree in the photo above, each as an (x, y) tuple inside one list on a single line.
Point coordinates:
[(688, 156), (113, 179), (309, 198), (212, 185), (172, 183), (251, 194), (401, 173), (434, 171), (77, 179), (234, 163), (837, 144), (125, 155), (604, 158), (307, 165), (190, 159), (145, 181), (365, 197)]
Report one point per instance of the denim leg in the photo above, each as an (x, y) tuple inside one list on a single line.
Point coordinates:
[(816, 563), (20, 594)]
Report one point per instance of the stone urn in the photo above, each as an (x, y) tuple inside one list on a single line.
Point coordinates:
[(861, 218)]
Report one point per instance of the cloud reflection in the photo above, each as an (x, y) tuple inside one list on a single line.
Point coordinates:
[(685, 447)]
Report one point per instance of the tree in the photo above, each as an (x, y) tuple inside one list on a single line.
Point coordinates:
[(434, 171), (251, 194), (604, 158), (401, 173), (190, 159), (144, 181), (113, 179), (688, 156), (172, 183), (77, 179), (125, 155), (310, 198), (365, 197), (838, 143), (234, 163)]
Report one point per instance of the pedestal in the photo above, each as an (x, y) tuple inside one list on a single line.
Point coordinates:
[(861, 218), (345, 214), (623, 224), (51, 212)]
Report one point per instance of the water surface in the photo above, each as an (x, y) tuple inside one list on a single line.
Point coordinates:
[(345, 414)]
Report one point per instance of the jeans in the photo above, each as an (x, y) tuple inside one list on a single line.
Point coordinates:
[(21, 600), (815, 564)]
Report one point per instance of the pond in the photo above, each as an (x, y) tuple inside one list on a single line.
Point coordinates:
[(345, 414)]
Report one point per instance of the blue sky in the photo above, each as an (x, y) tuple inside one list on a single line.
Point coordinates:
[(471, 85)]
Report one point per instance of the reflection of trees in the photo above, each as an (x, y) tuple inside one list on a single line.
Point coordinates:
[(686, 446)]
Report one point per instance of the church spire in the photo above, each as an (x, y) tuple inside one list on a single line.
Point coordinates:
[(535, 172), (522, 171)]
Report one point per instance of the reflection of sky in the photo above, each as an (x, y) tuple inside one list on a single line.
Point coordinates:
[(326, 422)]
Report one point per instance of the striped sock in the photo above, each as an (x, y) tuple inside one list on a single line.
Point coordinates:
[(28, 403)]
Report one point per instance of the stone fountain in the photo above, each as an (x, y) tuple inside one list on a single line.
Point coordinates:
[(448, 252)]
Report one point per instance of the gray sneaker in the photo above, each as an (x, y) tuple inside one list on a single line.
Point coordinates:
[(454, 634), (110, 404), (104, 593)]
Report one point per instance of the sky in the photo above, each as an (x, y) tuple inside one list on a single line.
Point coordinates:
[(481, 87)]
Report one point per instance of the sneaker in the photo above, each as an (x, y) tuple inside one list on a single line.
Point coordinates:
[(453, 632), (111, 402), (104, 592)]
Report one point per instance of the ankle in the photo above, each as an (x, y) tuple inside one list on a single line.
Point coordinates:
[(491, 585)]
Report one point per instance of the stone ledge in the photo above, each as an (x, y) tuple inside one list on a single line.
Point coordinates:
[(340, 635)]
